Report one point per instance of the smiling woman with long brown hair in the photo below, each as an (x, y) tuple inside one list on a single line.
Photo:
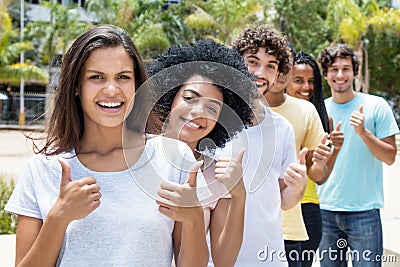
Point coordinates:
[(97, 151)]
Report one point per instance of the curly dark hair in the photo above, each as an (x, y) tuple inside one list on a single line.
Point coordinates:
[(318, 96), (328, 56), (274, 42), (224, 67)]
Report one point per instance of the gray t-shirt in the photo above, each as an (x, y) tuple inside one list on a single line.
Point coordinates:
[(126, 229)]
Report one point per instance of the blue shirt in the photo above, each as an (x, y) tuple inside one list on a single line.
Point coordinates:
[(355, 183)]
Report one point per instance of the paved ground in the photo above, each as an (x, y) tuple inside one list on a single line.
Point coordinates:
[(15, 151)]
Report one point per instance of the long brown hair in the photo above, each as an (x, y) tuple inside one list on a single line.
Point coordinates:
[(66, 126)]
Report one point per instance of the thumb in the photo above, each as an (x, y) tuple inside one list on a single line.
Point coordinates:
[(330, 123), (239, 156), (323, 140), (302, 156), (361, 109), (66, 172), (193, 173), (338, 126)]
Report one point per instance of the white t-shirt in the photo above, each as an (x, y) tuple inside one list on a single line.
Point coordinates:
[(270, 148), (126, 229)]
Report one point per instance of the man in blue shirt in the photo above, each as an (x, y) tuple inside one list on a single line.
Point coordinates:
[(353, 194)]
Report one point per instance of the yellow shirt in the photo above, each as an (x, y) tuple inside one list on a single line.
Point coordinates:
[(310, 195), (308, 132)]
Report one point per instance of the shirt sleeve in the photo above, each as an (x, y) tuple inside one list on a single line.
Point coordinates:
[(315, 130), (290, 149), (385, 122), (23, 200)]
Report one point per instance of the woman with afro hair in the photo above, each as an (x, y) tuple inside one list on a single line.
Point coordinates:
[(203, 95)]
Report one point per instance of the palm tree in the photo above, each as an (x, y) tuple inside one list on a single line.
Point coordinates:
[(148, 28), (152, 25), (115, 12), (11, 71), (303, 22), (384, 51), (222, 19), (54, 37), (350, 23)]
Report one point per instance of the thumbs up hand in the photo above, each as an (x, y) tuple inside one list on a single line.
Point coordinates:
[(76, 199), (357, 121), (321, 153), (337, 137), (192, 179), (295, 176), (229, 171), (180, 202)]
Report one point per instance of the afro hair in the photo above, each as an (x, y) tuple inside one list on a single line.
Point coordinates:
[(224, 67)]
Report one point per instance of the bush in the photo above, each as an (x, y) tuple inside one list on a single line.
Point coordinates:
[(8, 221)]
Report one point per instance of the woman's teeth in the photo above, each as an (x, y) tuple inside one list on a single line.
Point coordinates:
[(195, 125), (110, 104)]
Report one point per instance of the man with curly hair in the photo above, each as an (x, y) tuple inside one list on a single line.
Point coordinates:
[(353, 194), (272, 177), (264, 44)]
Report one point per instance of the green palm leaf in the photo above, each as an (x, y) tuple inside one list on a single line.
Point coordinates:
[(12, 74), (10, 71)]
